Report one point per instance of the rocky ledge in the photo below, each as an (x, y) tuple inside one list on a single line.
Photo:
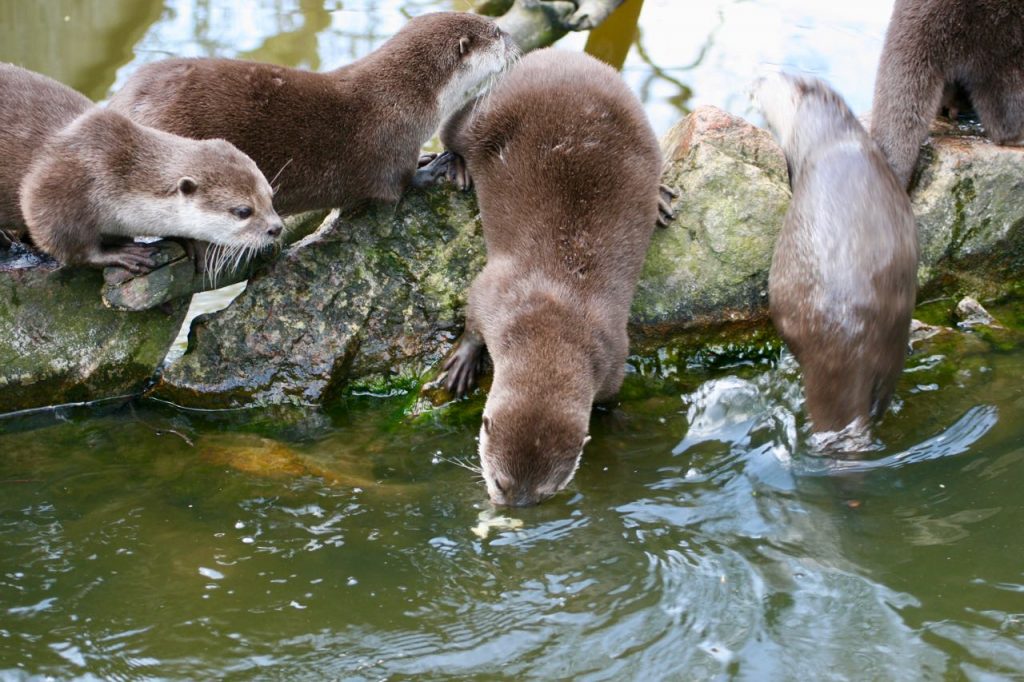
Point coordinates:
[(373, 302)]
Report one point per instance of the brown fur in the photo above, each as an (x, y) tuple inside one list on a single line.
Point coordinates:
[(77, 172), (326, 140), (843, 278), (567, 175), (977, 45)]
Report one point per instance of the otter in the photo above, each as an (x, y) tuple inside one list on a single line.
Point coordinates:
[(843, 277), (567, 174), (934, 47), (74, 173), (329, 140)]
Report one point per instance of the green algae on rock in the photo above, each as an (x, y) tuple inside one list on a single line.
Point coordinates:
[(60, 344)]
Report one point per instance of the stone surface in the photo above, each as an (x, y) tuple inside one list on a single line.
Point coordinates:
[(60, 344), (969, 202), (365, 303), (711, 265)]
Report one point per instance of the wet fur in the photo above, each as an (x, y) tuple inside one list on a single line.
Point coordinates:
[(333, 140), (567, 170), (74, 173), (843, 279), (976, 45)]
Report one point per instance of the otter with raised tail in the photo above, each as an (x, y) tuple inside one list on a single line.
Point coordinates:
[(74, 173), (934, 47), (843, 277), (329, 140), (566, 169)]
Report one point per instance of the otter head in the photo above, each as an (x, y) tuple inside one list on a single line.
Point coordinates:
[(467, 53), (223, 198), (529, 450)]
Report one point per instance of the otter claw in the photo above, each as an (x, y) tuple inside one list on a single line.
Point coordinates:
[(666, 212), (463, 368), (425, 159)]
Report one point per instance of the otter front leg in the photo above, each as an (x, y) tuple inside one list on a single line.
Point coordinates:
[(136, 258), (465, 364), (666, 213)]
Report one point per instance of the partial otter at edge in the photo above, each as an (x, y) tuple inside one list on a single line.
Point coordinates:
[(73, 173), (977, 45), (335, 139), (843, 278), (567, 173)]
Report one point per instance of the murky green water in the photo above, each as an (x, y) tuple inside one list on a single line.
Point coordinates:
[(699, 540)]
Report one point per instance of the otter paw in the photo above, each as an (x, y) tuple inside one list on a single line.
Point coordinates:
[(463, 368), (135, 258), (666, 212)]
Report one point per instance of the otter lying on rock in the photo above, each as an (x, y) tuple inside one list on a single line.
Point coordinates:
[(329, 140), (73, 173)]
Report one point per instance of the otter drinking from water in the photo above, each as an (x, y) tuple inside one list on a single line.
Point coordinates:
[(335, 139), (566, 169), (934, 47), (73, 173), (843, 276)]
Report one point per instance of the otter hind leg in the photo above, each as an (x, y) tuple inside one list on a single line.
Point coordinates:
[(999, 101), (465, 364)]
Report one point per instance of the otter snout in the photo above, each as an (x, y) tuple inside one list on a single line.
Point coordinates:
[(504, 491), (275, 229)]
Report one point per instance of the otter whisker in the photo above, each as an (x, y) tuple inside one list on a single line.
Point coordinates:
[(278, 173)]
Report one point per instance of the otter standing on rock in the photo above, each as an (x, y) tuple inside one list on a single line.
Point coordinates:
[(933, 46), (843, 277), (567, 170), (72, 173), (336, 139)]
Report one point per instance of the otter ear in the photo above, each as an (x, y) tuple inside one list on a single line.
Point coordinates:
[(187, 185), (487, 425), (463, 44)]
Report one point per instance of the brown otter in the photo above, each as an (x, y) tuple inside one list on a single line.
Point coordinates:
[(73, 173), (844, 272), (567, 170), (335, 139), (974, 45)]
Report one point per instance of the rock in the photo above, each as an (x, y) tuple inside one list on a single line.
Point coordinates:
[(178, 276), (366, 303), (711, 265), (969, 203), (371, 304), (60, 344), (969, 313)]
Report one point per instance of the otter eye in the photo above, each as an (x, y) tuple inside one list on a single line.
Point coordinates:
[(242, 212), (501, 489)]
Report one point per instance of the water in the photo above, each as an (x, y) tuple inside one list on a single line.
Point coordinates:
[(700, 539)]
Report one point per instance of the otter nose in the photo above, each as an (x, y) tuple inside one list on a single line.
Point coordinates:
[(275, 230)]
